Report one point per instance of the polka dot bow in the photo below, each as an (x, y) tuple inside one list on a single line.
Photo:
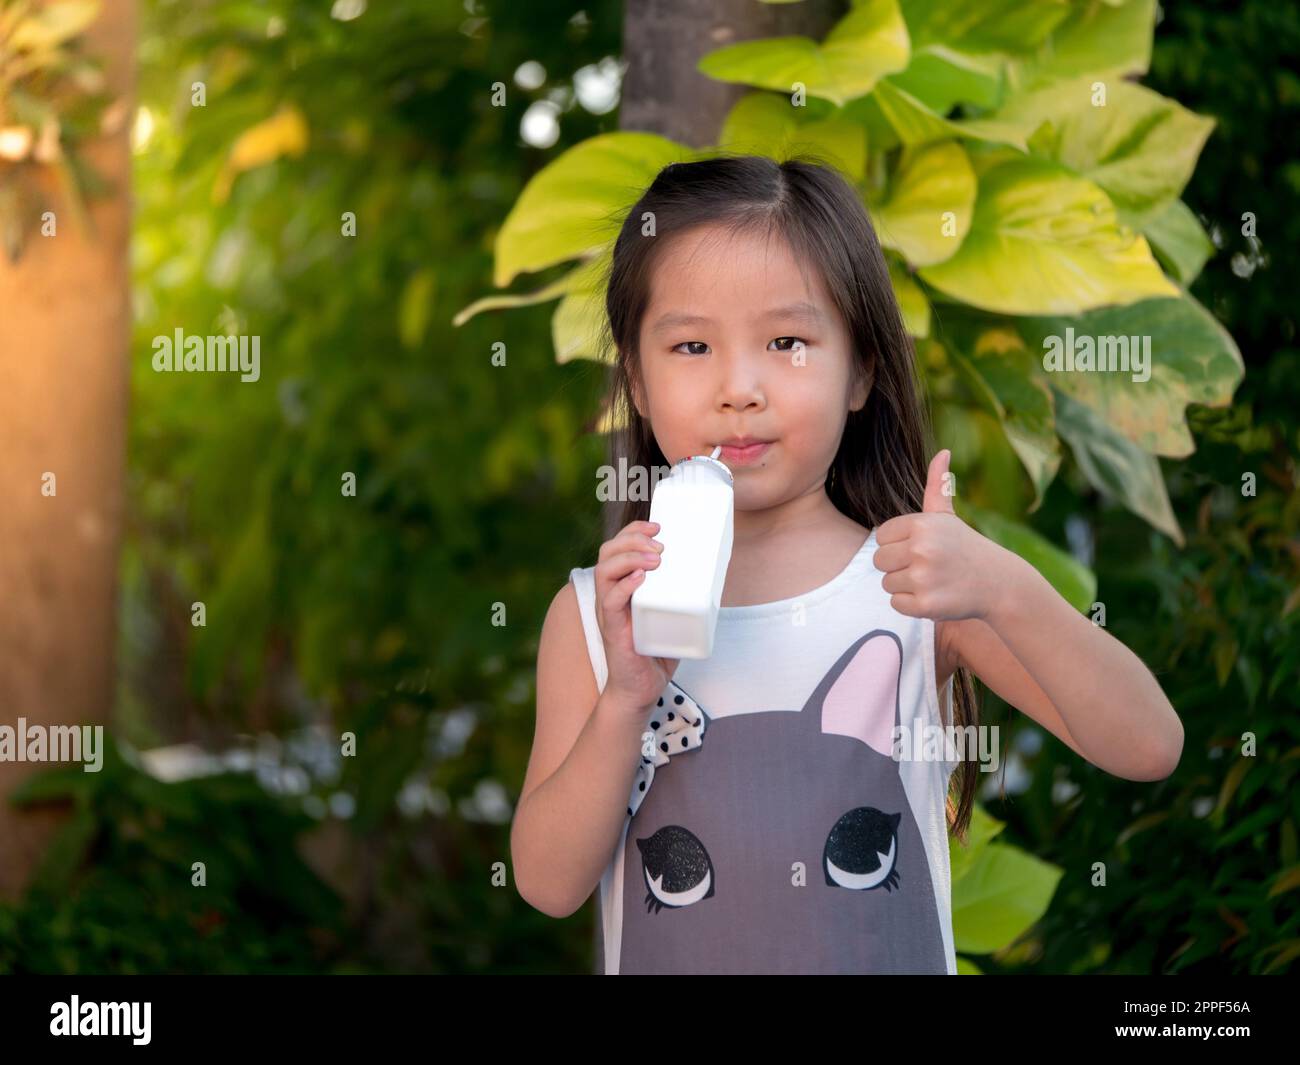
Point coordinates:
[(676, 725)]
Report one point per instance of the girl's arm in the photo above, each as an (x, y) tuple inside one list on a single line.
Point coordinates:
[(586, 749), (1079, 682), (1008, 625)]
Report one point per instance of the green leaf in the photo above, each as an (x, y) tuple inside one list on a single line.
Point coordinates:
[(985, 26), (999, 898), (940, 77), (928, 210), (577, 325), (1189, 358), (983, 827), (769, 124), (417, 299), (521, 299), (1178, 240), (966, 967), (238, 610), (869, 42), (573, 206), (892, 115), (911, 300), (1108, 40), (1007, 378), (1075, 582), (1044, 241), (1116, 466), (1140, 147)]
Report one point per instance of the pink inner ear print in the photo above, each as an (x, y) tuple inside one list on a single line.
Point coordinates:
[(862, 703)]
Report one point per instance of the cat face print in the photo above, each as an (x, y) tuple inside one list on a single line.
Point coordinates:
[(784, 842)]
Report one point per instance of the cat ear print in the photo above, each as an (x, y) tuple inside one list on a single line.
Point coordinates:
[(862, 701)]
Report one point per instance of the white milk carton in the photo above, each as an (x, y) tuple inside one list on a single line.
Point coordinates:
[(675, 608)]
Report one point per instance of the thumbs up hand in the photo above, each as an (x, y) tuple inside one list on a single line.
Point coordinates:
[(935, 565)]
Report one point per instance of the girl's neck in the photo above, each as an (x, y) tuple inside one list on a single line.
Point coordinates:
[(805, 514)]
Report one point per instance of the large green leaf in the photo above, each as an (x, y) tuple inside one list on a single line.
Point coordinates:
[(1108, 40), (984, 26), (1076, 583), (573, 206), (1045, 241), (1116, 466), (892, 115), (928, 210), (577, 325), (769, 124), (983, 828), (1139, 146), (1006, 377), (1179, 240), (999, 897), (911, 300), (1178, 354), (868, 43), (941, 77)]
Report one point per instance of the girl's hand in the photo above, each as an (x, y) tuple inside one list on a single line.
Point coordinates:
[(936, 566), (620, 569)]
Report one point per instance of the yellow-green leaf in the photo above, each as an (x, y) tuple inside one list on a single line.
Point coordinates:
[(573, 206), (769, 124), (928, 210), (284, 133), (911, 300), (1044, 241), (577, 327), (868, 43), (1000, 897), (1139, 146)]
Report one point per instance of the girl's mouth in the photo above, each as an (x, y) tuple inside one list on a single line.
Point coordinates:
[(744, 456)]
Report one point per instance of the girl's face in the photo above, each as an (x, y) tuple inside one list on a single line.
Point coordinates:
[(734, 344)]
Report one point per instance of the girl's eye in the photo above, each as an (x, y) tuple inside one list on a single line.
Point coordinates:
[(795, 344)]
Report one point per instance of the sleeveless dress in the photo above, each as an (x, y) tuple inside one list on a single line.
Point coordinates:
[(770, 827)]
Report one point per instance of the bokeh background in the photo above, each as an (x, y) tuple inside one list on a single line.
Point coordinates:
[(221, 150)]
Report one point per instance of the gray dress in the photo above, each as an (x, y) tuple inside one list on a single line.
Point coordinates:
[(770, 827)]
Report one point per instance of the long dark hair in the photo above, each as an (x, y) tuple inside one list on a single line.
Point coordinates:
[(879, 470)]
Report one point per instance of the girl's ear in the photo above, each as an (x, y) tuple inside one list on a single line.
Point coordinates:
[(634, 386), (862, 382)]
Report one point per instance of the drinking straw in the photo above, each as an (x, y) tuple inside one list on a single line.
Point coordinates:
[(716, 452)]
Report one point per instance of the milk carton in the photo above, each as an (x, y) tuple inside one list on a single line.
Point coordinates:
[(675, 608)]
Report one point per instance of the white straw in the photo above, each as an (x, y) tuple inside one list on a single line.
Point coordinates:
[(716, 452)]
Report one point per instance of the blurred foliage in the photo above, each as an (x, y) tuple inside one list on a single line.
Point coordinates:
[(262, 908), (373, 613), (1202, 868), (52, 100)]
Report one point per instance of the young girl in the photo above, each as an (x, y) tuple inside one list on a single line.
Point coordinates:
[(751, 812)]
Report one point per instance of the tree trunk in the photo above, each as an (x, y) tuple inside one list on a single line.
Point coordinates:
[(663, 40), (65, 318)]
